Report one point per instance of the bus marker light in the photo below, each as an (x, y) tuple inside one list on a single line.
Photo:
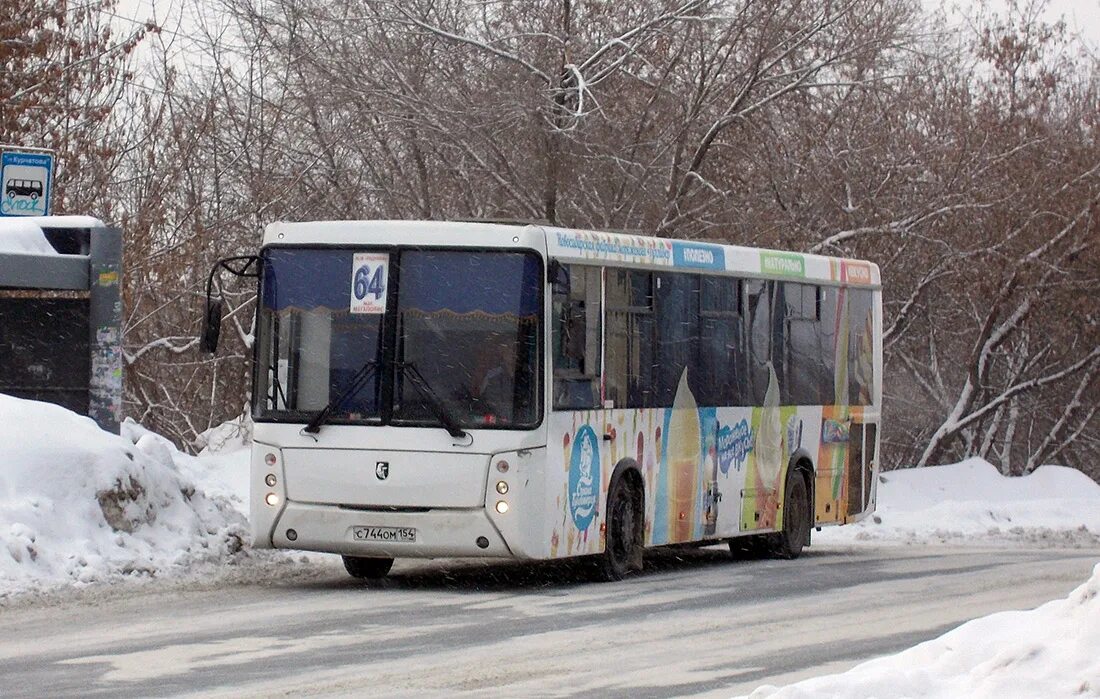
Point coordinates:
[(272, 499), (503, 466), (291, 535), (502, 487), (270, 459), (270, 480), (502, 507), (482, 542)]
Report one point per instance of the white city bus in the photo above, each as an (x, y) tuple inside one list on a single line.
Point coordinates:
[(431, 389)]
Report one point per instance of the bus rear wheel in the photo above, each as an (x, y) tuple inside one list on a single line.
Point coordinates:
[(625, 526), (367, 568), (796, 518)]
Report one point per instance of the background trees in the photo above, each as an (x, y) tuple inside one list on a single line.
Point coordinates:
[(965, 162), (62, 72)]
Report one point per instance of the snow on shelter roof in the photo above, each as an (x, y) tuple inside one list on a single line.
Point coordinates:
[(66, 221), (569, 245), (23, 237)]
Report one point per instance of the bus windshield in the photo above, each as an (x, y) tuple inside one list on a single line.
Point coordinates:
[(455, 336)]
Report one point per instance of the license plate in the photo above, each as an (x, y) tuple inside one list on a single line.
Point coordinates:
[(398, 534)]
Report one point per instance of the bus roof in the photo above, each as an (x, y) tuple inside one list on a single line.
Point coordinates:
[(582, 246)]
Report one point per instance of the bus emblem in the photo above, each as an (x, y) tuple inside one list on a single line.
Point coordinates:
[(382, 470)]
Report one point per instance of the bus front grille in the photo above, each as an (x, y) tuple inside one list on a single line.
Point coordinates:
[(384, 508)]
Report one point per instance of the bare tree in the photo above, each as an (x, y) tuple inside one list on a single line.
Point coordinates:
[(965, 164)]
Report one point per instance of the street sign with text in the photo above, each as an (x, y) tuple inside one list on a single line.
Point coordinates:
[(26, 179)]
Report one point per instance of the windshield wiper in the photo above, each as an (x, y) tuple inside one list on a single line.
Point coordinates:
[(421, 384), (357, 382)]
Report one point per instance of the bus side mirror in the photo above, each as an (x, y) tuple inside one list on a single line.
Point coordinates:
[(241, 266), (212, 326)]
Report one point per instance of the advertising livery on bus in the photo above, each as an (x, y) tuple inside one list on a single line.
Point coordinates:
[(431, 389)]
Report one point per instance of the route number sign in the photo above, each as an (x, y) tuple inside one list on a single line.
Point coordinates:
[(370, 275)]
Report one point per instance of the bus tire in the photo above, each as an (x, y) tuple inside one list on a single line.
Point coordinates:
[(367, 568), (796, 518), (625, 530)]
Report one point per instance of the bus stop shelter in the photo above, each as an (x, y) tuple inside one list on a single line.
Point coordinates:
[(61, 313)]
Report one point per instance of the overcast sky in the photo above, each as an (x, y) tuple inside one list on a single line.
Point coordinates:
[(1082, 16)]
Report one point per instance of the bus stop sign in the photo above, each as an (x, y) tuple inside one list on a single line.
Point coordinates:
[(26, 179)]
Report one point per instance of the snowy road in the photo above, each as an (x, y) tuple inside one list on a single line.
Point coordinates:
[(695, 623)]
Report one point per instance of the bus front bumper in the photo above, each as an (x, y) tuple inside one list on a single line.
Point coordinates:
[(438, 532)]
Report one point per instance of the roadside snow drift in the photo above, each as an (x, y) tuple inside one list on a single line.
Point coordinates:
[(971, 502), (80, 505), (1051, 651)]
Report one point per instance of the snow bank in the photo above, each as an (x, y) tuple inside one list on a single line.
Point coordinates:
[(971, 501), (1046, 652), (80, 505), (220, 470)]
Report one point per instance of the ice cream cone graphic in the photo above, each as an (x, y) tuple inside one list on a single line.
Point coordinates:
[(769, 452), (684, 454), (769, 442)]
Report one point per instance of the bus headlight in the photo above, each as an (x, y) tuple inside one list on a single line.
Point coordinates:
[(502, 487), (272, 499), (502, 506), (270, 480)]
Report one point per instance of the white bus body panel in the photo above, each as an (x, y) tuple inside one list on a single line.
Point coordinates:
[(421, 233), (410, 479), (437, 485)]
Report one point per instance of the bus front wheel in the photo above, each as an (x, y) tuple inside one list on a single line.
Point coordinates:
[(625, 528), (369, 568)]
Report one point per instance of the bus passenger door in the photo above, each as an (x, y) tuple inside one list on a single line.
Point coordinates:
[(862, 441), (577, 420), (861, 377)]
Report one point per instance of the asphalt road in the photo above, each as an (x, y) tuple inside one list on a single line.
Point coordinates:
[(696, 623)]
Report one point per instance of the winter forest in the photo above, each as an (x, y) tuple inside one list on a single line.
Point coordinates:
[(961, 157)]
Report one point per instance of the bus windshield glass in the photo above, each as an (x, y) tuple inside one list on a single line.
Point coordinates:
[(454, 337), (468, 322), (312, 346)]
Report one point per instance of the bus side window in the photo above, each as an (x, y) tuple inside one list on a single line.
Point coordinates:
[(576, 338), (758, 303), (806, 383), (720, 379), (860, 347), (631, 352)]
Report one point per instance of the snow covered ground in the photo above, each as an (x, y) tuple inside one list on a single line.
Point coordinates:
[(79, 506), (1052, 651), (971, 502)]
